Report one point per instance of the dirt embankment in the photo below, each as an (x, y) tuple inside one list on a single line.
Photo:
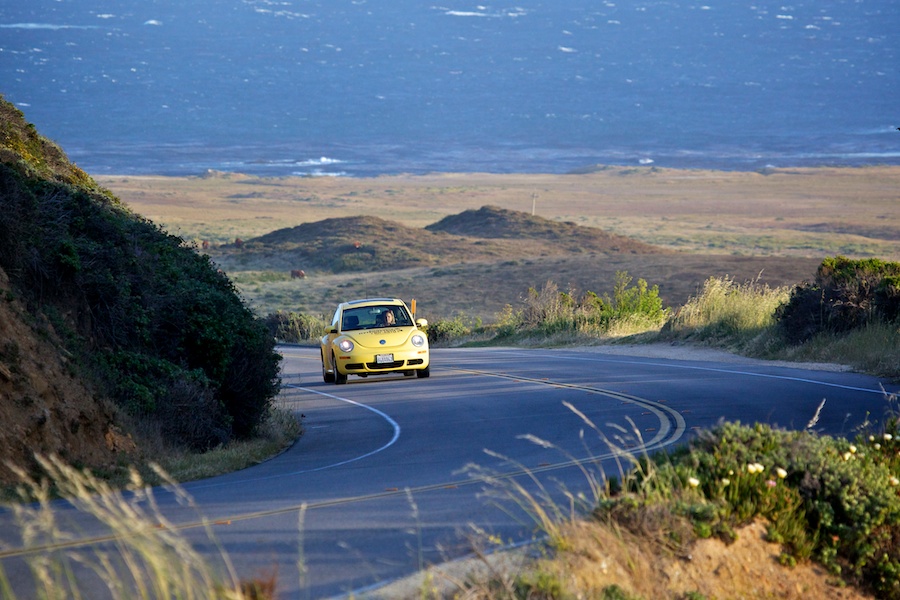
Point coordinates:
[(44, 408)]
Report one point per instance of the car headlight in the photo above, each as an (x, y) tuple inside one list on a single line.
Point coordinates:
[(345, 345), (418, 340)]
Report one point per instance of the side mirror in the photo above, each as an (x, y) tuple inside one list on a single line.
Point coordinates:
[(421, 323)]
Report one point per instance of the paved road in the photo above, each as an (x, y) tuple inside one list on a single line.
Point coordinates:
[(386, 476)]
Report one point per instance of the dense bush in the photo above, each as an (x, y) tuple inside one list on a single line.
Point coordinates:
[(152, 320), (845, 295), (443, 331)]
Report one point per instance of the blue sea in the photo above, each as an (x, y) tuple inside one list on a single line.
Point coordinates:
[(370, 87)]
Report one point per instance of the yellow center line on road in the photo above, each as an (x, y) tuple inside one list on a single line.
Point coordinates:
[(671, 423)]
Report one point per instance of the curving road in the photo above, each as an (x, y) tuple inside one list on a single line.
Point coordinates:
[(385, 478)]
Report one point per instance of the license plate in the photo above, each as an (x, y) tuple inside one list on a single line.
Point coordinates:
[(383, 359)]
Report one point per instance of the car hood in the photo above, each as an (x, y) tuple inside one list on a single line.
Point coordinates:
[(383, 337)]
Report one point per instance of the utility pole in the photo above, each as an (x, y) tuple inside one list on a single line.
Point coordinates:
[(533, 201)]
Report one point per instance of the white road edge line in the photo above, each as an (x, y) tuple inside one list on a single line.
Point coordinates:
[(670, 365), (386, 417)]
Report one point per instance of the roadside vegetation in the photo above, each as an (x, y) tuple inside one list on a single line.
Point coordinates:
[(833, 501)]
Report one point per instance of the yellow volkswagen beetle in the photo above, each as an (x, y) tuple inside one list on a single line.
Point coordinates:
[(372, 337)]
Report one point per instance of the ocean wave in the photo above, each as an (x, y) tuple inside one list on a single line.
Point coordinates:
[(322, 161), (515, 12), (320, 173), (50, 26), (462, 13)]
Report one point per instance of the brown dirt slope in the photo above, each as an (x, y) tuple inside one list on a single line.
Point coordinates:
[(43, 407)]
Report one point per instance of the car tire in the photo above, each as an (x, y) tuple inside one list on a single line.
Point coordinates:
[(426, 372), (339, 378), (326, 376)]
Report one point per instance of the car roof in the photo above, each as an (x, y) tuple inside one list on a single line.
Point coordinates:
[(372, 302)]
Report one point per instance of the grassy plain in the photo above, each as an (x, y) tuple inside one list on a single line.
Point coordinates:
[(780, 223)]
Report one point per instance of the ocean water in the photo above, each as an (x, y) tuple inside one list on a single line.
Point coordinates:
[(368, 87)]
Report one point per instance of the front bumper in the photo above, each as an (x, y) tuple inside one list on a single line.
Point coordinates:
[(365, 362)]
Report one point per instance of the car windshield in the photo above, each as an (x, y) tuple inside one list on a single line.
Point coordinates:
[(370, 317)]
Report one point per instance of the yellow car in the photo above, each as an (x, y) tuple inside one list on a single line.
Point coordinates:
[(372, 337)]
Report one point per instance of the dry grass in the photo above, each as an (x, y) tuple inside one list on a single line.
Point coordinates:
[(147, 556), (873, 349), (602, 555)]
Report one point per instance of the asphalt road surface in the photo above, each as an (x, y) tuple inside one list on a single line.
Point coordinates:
[(394, 473)]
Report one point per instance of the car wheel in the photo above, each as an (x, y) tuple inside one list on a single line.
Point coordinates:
[(426, 372), (326, 376), (339, 378)]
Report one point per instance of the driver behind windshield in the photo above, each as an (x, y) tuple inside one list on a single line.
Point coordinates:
[(386, 319)]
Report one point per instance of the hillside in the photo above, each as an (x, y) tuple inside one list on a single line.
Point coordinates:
[(491, 222), (367, 243), (108, 320)]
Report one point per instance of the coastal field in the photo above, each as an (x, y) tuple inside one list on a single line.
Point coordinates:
[(776, 224)]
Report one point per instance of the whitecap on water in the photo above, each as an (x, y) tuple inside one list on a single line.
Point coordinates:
[(50, 26)]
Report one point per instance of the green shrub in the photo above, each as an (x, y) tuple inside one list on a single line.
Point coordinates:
[(540, 586), (443, 331), (845, 295)]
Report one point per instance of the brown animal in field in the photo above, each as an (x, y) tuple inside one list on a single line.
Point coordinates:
[(298, 274), (205, 244), (239, 243)]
